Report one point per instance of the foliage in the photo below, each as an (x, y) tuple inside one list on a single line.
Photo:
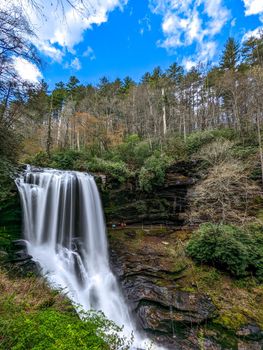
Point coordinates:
[(198, 139), (238, 251), (117, 170), (153, 171), (64, 159), (7, 169), (230, 55), (52, 329), (175, 147), (35, 317), (133, 151), (40, 159)]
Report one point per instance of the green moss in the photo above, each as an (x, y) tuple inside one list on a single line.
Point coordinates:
[(231, 319), (188, 289), (227, 339)]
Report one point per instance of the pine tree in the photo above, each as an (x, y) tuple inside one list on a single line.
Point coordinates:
[(252, 51), (230, 57), (175, 73)]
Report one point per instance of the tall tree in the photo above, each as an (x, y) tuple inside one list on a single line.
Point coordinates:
[(175, 73), (230, 56), (252, 51)]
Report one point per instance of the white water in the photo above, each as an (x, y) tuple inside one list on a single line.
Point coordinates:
[(65, 233)]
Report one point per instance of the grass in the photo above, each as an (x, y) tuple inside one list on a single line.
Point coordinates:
[(34, 317)]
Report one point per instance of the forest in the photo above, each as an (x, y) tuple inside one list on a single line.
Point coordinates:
[(131, 134)]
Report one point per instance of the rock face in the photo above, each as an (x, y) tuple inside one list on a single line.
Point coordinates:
[(171, 316), (21, 262), (150, 272), (165, 204)]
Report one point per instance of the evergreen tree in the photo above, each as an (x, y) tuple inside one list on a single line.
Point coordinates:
[(175, 73), (72, 83), (59, 94), (230, 57), (252, 51), (146, 78)]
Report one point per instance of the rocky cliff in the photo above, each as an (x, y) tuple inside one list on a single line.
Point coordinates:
[(179, 304), (165, 204)]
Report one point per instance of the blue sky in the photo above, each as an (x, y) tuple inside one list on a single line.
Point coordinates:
[(116, 38)]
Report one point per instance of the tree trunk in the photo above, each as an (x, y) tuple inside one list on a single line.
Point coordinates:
[(260, 146), (49, 137), (164, 113)]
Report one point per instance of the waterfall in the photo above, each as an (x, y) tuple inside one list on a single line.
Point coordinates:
[(65, 233)]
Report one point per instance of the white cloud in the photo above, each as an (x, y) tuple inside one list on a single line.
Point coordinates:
[(74, 64), (145, 25), (253, 7), (233, 22), (27, 70), (255, 33), (184, 24), (206, 53), (89, 53), (59, 29), (188, 63)]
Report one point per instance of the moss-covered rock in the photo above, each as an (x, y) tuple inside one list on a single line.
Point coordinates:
[(163, 285)]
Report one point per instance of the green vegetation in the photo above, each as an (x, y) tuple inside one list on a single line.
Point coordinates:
[(51, 329), (231, 248), (153, 170), (34, 317)]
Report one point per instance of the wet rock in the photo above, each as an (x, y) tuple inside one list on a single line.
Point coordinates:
[(252, 345), (251, 332), (181, 340), (210, 344), (155, 318), (21, 256), (148, 277), (19, 244), (20, 261), (152, 276)]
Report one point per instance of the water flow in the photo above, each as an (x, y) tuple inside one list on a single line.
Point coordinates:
[(65, 233)]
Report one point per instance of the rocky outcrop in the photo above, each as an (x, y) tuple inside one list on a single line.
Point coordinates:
[(20, 261), (150, 273), (149, 281), (165, 204)]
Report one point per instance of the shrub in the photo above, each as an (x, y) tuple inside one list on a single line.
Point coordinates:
[(40, 159), (198, 139), (215, 152), (224, 195), (133, 151), (125, 150), (118, 169), (153, 171), (64, 159), (238, 251), (7, 170), (174, 147)]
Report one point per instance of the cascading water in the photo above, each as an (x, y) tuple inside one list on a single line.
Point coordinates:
[(65, 233)]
